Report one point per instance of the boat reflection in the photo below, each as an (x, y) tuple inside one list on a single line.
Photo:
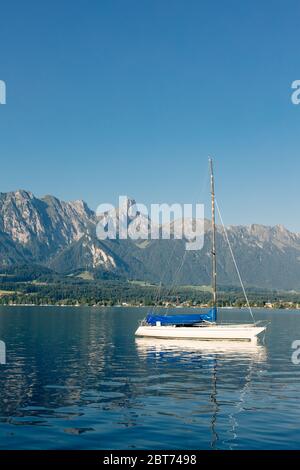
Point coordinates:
[(242, 359), (245, 349)]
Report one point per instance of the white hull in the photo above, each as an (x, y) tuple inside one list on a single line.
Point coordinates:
[(232, 332)]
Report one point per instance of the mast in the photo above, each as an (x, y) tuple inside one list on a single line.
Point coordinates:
[(213, 248)]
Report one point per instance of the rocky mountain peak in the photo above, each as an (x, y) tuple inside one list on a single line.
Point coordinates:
[(62, 235)]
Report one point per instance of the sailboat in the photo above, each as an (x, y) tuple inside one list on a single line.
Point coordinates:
[(202, 326)]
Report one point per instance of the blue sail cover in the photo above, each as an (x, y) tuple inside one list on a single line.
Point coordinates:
[(186, 319)]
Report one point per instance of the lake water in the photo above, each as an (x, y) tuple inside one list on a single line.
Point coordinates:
[(77, 378)]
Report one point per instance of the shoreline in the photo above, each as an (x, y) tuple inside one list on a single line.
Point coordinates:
[(147, 307)]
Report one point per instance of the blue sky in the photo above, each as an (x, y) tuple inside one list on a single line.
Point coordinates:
[(110, 97)]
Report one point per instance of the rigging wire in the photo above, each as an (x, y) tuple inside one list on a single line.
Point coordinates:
[(234, 262), (177, 272), (176, 276), (157, 296)]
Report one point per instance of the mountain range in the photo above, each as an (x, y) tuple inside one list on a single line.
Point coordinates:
[(62, 236)]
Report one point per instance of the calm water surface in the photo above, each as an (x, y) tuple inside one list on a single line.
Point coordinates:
[(77, 378)]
